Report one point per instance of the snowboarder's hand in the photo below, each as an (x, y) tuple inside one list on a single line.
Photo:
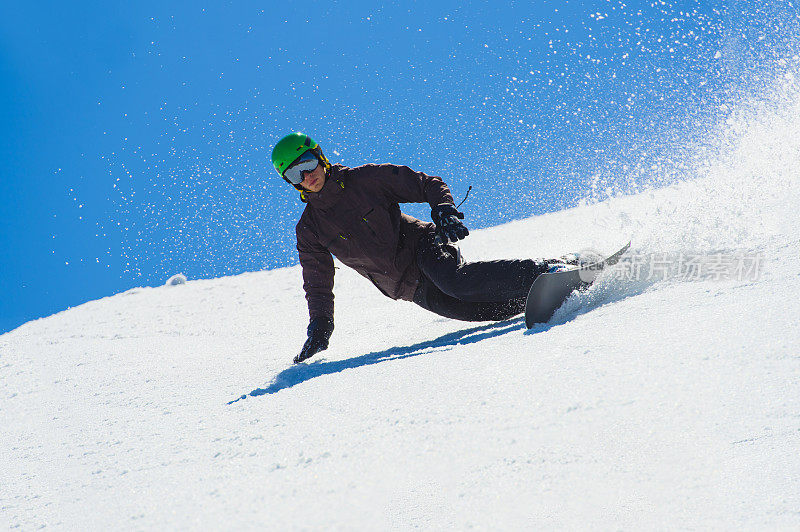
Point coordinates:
[(319, 332), (448, 222)]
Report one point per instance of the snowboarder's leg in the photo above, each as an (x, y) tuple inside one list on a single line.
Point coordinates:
[(430, 297), (492, 281)]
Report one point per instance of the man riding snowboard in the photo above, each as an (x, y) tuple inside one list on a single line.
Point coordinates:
[(354, 213)]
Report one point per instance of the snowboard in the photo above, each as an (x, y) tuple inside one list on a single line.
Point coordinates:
[(550, 290)]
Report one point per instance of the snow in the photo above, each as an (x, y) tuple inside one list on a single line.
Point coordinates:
[(665, 401)]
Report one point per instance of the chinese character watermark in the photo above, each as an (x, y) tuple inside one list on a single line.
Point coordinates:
[(690, 267)]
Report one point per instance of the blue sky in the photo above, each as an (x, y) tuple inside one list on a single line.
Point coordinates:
[(136, 136)]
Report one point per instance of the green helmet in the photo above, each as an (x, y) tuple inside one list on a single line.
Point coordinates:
[(292, 146)]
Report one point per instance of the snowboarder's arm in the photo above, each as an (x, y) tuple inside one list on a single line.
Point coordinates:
[(401, 184), (317, 264)]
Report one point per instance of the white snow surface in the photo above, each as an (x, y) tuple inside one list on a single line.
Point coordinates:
[(660, 402)]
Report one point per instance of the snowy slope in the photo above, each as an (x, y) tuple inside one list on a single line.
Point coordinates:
[(664, 400)]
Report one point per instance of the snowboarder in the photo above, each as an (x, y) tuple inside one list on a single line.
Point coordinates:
[(353, 213)]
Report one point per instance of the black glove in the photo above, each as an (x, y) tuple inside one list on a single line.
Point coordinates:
[(319, 332), (448, 222)]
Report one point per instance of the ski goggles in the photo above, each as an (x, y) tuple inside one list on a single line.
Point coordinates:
[(305, 163)]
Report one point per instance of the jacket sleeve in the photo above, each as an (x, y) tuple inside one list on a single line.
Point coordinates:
[(404, 185), (317, 264)]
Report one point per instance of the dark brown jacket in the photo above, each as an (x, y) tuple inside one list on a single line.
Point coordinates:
[(356, 217)]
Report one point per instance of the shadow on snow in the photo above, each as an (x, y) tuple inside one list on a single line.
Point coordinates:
[(303, 372), (575, 306)]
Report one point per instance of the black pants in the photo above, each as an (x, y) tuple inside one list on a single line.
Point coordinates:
[(472, 291)]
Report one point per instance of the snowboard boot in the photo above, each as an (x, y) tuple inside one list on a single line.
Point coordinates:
[(563, 263), (558, 266)]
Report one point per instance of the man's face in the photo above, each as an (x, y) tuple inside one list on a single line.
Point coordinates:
[(314, 180)]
